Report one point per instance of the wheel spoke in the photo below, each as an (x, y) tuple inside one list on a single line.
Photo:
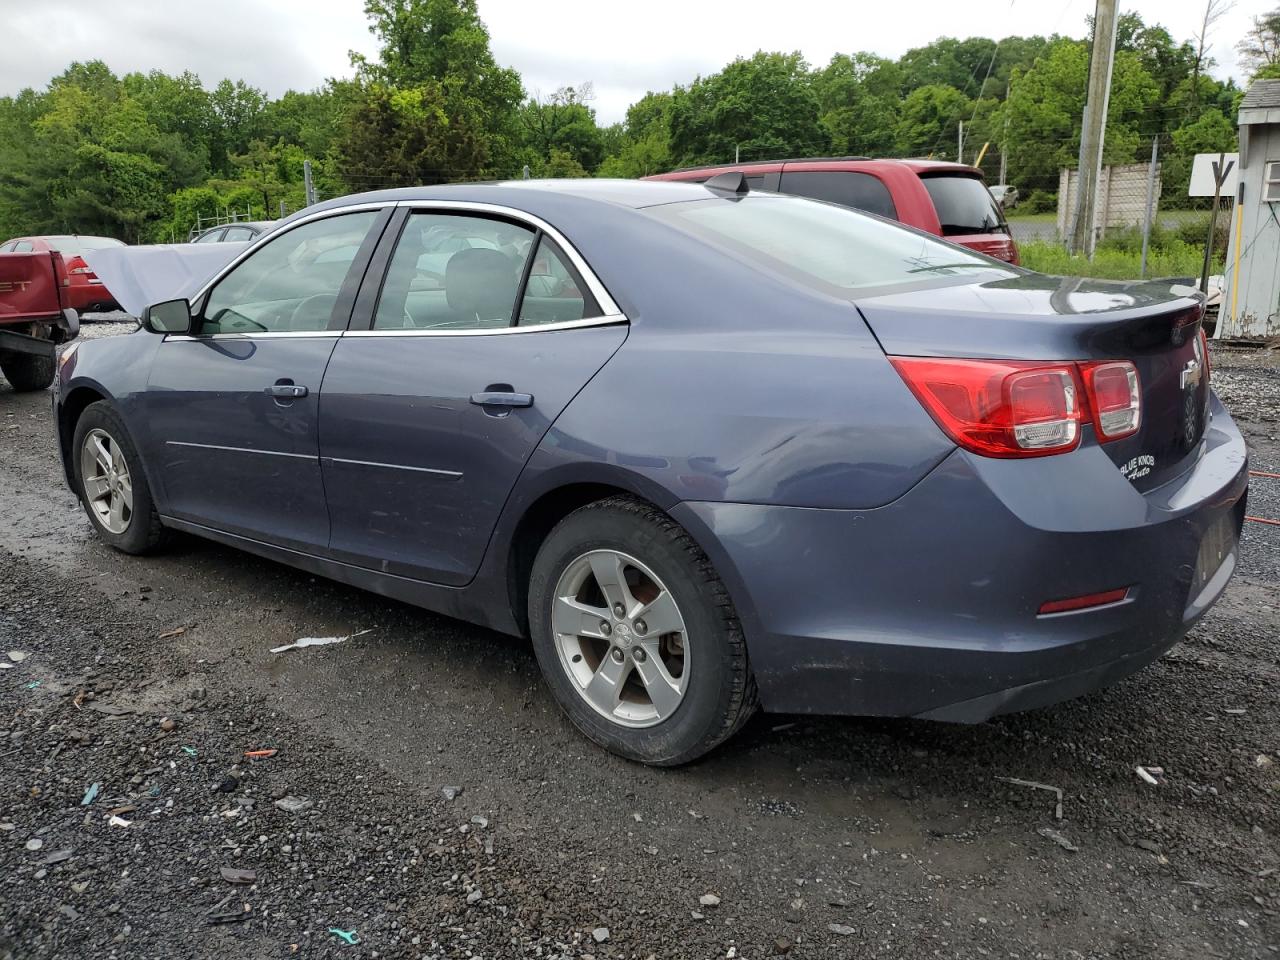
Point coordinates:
[(662, 616), (126, 491), (608, 569), (662, 688), (96, 488), (116, 516), (605, 688), (578, 619), (105, 460)]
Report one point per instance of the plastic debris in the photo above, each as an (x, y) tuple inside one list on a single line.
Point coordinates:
[(5, 665), (480, 822), (170, 634), (1035, 785), (17, 656), (294, 804), (236, 875), (261, 754), (118, 821), (316, 641), (841, 930), (33, 684), (1051, 834), (349, 937), (1235, 711), (600, 934), (191, 751), (1151, 775), (709, 900), (91, 794)]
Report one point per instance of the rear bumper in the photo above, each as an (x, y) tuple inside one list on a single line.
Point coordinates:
[(928, 606)]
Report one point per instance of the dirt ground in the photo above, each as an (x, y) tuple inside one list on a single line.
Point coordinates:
[(147, 680)]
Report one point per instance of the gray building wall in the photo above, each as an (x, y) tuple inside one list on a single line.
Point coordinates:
[(1251, 305)]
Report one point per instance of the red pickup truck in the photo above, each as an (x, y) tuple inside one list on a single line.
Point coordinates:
[(949, 200), (34, 317)]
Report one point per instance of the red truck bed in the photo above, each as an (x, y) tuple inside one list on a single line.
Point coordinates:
[(34, 317)]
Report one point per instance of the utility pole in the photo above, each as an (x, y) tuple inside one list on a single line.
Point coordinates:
[(308, 188), (1093, 130), (1004, 144), (737, 150), (960, 144)]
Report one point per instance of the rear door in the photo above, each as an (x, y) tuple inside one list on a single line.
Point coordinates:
[(232, 410), (482, 330)]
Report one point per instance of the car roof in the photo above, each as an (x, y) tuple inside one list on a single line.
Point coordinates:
[(634, 194), (919, 166)]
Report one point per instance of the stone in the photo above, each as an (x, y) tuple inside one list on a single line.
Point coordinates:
[(600, 934)]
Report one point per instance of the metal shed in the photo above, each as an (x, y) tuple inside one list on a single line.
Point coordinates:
[(1251, 304)]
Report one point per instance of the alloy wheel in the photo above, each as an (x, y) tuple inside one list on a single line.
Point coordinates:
[(108, 486), (621, 638)]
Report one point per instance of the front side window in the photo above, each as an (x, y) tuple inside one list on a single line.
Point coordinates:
[(833, 248), (211, 236), (453, 272), (861, 191), (554, 292), (291, 283)]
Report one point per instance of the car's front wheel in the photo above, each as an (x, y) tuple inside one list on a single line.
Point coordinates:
[(636, 634), (111, 483)]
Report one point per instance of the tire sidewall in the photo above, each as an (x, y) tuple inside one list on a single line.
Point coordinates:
[(700, 717), (137, 537)]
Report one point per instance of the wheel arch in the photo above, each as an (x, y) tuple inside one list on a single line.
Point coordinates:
[(72, 407)]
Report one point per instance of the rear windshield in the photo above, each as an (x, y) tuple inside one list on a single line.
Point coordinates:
[(824, 245), (74, 246), (964, 206)]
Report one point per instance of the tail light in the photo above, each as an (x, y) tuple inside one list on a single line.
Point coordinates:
[(1115, 397), (76, 265), (1013, 408)]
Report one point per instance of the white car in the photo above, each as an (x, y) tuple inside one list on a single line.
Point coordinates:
[(1005, 195)]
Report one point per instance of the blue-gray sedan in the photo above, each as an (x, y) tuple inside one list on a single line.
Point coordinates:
[(709, 449)]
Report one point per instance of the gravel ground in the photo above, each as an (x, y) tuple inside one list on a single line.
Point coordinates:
[(818, 838)]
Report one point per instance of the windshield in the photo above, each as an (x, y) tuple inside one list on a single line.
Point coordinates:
[(824, 244), (964, 206), (74, 246)]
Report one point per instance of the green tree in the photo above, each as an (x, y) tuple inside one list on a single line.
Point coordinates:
[(929, 121), (562, 123), (858, 101), (760, 107)]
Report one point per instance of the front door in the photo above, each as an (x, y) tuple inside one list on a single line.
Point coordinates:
[(232, 409), (483, 332)]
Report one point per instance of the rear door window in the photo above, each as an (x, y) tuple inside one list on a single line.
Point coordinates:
[(965, 205), (861, 191), (23, 246), (554, 292), (237, 233)]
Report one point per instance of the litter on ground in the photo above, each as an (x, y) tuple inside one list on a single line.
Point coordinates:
[(317, 641)]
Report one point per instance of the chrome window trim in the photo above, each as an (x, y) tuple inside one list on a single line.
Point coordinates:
[(606, 321), (607, 305), (263, 335)]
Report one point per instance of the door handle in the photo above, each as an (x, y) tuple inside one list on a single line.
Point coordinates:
[(286, 391), (502, 399)]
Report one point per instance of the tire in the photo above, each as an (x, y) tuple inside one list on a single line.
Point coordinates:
[(142, 531), (26, 372), (706, 657)]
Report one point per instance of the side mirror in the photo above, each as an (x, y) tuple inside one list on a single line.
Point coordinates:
[(171, 316)]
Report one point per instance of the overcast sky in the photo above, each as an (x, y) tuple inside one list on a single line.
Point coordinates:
[(624, 50)]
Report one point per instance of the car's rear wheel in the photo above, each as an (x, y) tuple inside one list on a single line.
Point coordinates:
[(111, 483), (26, 372), (636, 634)]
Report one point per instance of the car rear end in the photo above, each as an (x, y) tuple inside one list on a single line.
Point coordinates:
[(85, 291), (1086, 517), (967, 212)]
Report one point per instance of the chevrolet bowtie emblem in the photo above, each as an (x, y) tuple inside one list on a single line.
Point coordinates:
[(1191, 374)]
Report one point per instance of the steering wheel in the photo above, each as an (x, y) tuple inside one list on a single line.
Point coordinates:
[(303, 305)]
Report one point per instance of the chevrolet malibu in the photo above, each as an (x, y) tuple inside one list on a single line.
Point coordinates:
[(709, 449)]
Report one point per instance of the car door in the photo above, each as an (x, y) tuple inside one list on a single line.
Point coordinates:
[(482, 330), (231, 409)]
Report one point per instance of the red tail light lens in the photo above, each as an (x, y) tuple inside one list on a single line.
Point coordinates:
[(1115, 396), (999, 408)]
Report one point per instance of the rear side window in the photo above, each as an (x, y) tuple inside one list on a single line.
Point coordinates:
[(213, 236), (554, 292), (820, 245), (861, 191), (23, 246), (964, 205), (237, 233)]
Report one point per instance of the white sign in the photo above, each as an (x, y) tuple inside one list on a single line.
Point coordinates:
[(1202, 174)]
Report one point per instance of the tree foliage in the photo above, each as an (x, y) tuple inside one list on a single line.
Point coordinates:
[(143, 155)]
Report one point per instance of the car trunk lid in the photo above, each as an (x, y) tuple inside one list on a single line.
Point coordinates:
[(1154, 325)]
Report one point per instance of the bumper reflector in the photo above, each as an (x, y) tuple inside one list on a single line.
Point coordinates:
[(1085, 602)]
